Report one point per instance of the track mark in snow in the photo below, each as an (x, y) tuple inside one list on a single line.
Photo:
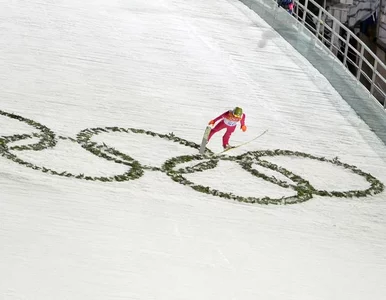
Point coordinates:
[(223, 257)]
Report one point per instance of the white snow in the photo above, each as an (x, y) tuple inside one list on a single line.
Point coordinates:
[(171, 66)]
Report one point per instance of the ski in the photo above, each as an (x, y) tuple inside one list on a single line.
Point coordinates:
[(237, 146), (205, 139)]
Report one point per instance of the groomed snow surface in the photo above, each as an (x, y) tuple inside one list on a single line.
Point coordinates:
[(171, 66)]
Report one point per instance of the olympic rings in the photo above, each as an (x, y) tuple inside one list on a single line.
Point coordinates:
[(303, 190)]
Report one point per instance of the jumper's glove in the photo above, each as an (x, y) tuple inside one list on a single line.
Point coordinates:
[(244, 128), (211, 122)]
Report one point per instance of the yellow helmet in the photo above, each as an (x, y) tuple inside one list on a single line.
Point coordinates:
[(238, 112)]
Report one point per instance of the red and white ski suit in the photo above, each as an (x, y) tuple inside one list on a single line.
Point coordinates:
[(228, 121)]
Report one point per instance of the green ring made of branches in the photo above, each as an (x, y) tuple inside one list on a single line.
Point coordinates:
[(47, 136), (246, 160), (170, 166)]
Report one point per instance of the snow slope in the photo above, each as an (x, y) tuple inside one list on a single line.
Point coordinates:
[(170, 66)]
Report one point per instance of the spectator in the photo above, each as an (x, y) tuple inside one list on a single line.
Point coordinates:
[(288, 5)]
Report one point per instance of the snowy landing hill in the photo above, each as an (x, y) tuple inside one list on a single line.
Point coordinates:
[(103, 194)]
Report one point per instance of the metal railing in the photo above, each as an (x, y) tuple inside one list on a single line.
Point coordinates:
[(351, 51)]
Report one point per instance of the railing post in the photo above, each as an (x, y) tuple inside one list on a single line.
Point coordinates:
[(318, 25), (373, 77), (346, 48), (360, 63), (305, 11), (332, 36)]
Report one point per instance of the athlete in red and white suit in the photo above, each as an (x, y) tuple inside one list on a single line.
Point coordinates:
[(228, 121)]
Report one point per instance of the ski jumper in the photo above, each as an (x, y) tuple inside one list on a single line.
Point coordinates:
[(229, 122)]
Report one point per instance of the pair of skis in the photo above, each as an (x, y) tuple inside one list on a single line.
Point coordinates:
[(205, 141)]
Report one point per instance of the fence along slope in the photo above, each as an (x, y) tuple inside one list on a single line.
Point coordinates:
[(298, 34)]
